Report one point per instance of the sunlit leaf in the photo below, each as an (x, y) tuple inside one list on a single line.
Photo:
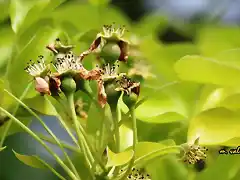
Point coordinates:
[(213, 96), (230, 56), (162, 58), (85, 16), (205, 70), (119, 158), (214, 39), (147, 151), (126, 135), (98, 127), (6, 43), (19, 10), (160, 107), (24, 12), (217, 126), (99, 2), (4, 5), (32, 161), (151, 23)]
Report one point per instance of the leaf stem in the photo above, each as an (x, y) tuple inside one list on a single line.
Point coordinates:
[(116, 118), (51, 169), (48, 130), (65, 145), (5, 132), (30, 132), (68, 130), (70, 99), (135, 141)]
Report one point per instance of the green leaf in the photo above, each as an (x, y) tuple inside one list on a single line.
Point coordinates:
[(119, 158), (78, 160), (32, 161), (214, 39), (217, 126), (149, 24), (4, 6), (99, 2), (147, 151), (2, 148), (89, 16), (205, 70), (41, 104), (35, 47), (98, 127), (162, 58), (126, 134), (25, 12), (212, 96), (230, 56), (160, 107), (6, 44), (18, 12)]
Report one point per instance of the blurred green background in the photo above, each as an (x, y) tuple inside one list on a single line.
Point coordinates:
[(163, 31)]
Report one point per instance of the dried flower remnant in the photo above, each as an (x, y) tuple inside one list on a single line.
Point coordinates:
[(194, 153), (138, 174), (108, 74), (57, 47), (68, 64), (40, 73), (79, 105), (110, 34), (128, 86)]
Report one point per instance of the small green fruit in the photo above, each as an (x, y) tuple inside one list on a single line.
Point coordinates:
[(130, 100), (68, 85)]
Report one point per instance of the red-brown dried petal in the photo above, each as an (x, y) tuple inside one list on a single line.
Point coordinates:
[(94, 74), (51, 47), (95, 44), (136, 88), (54, 85), (102, 96), (123, 51)]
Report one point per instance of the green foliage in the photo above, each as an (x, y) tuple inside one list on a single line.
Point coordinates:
[(120, 158), (32, 161), (190, 90)]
